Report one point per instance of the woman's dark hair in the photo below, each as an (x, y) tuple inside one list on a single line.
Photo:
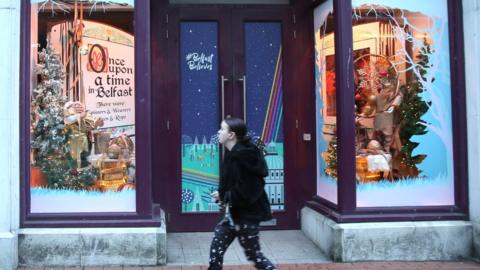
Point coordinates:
[(238, 126)]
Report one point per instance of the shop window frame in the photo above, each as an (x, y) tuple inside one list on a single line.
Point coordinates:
[(346, 211), (144, 215)]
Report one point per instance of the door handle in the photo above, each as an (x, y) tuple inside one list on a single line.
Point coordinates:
[(244, 82), (223, 80)]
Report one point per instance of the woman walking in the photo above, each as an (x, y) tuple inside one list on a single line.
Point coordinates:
[(241, 189)]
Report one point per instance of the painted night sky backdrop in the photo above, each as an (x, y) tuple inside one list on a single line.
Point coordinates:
[(262, 44), (200, 88), (200, 100)]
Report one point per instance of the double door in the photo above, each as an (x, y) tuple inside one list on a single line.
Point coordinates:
[(228, 62)]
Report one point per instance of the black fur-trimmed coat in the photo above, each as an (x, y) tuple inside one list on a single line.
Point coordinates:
[(242, 183)]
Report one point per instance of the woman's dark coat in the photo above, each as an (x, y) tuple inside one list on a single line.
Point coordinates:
[(243, 170)]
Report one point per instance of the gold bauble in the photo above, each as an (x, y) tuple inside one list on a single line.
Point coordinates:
[(367, 110)]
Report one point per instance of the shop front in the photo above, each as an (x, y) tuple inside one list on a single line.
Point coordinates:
[(359, 106), (391, 129)]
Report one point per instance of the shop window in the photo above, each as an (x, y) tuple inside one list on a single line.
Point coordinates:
[(400, 101), (82, 95), (325, 101), (404, 152)]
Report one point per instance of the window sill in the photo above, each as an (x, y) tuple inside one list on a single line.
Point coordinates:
[(388, 214)]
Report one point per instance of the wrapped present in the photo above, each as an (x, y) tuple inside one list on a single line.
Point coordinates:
[(362, 172), (113, 174), (379, 162)]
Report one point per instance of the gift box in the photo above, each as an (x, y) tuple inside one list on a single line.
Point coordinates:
[(362, 173)]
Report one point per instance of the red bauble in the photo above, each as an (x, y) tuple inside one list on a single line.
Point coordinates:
[(74, 172)]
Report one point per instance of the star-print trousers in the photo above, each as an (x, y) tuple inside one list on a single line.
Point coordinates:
[(247, 234)]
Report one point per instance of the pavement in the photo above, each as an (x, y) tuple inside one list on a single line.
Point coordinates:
[(460, 265), (289, 250)]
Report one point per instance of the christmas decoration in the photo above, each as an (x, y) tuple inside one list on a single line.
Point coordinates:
[(411, 111), (396, 118), (377, 85), (113, 174), (330, 157), (52, 139), (362, 172), (66, 5), (372, 163)]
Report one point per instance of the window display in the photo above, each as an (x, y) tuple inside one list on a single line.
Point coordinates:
[(82, 106), (404, 154), (325, 102)]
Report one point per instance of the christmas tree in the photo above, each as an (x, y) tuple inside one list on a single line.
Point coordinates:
[(330, 157), (412, 109), (47, 106), (49, 135)]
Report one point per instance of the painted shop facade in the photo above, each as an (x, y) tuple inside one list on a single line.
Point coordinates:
[(367, 112)]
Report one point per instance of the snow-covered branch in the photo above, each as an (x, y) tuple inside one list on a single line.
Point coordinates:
[(53, 6), (67, 5)]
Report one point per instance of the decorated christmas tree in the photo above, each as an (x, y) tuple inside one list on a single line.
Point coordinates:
[(330, 157), (50, 137), (412, 110), (47, 107)]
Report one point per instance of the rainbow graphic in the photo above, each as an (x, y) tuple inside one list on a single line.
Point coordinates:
[(199, 177), (273, 117)]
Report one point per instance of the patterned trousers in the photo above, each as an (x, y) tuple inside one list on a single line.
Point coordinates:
[(247, 234)]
